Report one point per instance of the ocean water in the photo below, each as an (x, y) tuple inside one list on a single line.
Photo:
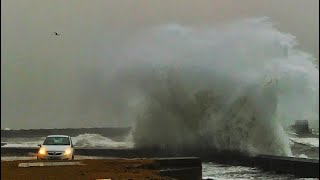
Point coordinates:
[(82, 140), (214, 171), (303, 147)]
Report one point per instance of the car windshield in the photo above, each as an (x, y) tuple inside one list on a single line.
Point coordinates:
[(56, 141)]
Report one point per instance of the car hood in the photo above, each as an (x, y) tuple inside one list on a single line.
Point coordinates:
[(55, 147)]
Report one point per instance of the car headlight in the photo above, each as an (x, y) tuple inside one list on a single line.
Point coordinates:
[(42, 151), (67, 152)]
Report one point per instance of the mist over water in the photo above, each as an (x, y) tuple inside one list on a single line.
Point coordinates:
[(230, 87)]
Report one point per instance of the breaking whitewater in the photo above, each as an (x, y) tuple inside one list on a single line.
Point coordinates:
[(234, 87)]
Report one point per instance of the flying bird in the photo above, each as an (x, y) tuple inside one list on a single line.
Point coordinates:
[(57, 34)]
